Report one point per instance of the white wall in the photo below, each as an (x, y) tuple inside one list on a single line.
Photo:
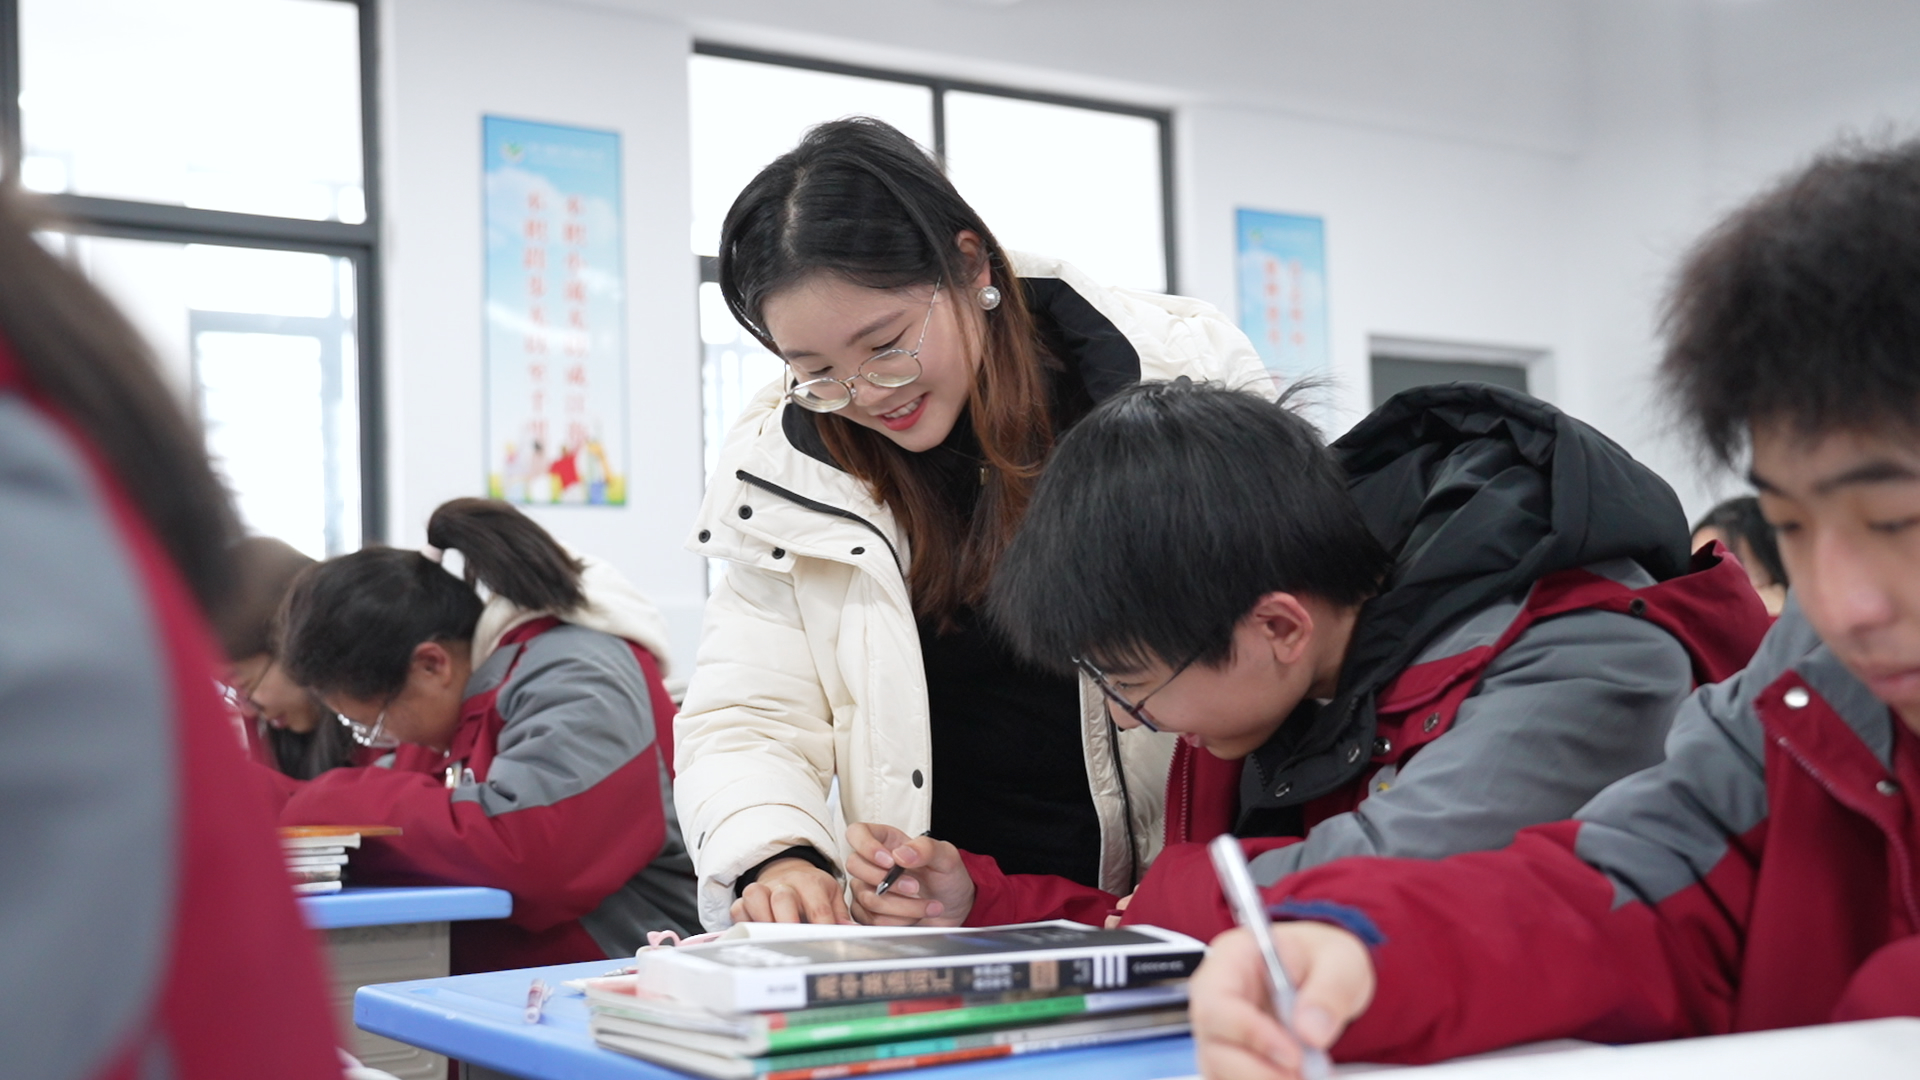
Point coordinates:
[(446, 64)]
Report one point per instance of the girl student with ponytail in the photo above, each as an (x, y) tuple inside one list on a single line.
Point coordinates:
[(861, 503), (520, 689)]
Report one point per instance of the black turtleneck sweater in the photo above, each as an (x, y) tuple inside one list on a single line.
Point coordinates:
[(1009, 770)]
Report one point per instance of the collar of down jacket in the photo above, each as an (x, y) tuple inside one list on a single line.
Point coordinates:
[(1109, 338), (613, 606)]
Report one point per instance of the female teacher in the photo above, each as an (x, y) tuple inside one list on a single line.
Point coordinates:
[(861, 503)]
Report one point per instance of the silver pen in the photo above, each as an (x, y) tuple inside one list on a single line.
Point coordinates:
[(1230, 863)]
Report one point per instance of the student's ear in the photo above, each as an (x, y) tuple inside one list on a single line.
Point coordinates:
[(975, 253), (1284, 625), (431, 659)]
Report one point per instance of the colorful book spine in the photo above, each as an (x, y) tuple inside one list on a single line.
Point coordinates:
[(1103, 972), (862, 1060)]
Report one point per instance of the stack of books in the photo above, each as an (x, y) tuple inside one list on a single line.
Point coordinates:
[(317, 854), (780, 1005)]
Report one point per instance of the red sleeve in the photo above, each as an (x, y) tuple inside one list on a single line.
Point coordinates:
[(1000, 898), (1182, 893), (1493, 949), (1888, 984), (559, 860)]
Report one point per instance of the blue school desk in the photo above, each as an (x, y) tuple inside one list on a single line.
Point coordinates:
[(480, 1020), (370, 906), (379, 935)]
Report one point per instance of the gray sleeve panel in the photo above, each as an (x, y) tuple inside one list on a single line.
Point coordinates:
[(88, 761), (1575, 703), (662, 896), (577, 709), (1659, 831)]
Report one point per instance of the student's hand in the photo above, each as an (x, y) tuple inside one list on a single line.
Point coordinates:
[(1236, 1036), (936, 890), (792, 890), (1113, 921)]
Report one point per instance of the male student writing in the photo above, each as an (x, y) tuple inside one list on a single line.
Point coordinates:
[(1468, 616), (1765, 874)]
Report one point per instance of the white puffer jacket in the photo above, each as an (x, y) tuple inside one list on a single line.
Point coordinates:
[(809, 665)]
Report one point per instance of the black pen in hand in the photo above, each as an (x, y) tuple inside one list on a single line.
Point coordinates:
[(893, 875)]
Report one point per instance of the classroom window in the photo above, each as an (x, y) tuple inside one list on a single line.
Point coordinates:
[(1082, 180), (210, 162), (1401, 364)]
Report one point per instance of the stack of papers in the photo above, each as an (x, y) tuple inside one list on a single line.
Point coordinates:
[(787, 1003), (317, 854)]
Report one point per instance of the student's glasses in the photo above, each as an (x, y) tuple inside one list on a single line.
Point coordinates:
[(377, 736), (1135, 709), (888, 370)]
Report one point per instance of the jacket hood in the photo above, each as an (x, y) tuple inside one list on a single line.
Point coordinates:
[(613, 606), (1478, 491)]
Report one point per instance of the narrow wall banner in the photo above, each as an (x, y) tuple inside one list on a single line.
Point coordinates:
[(1282, 267), (556, 413)]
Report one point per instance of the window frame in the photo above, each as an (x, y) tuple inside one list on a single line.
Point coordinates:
[(940, 85), (359, 244)]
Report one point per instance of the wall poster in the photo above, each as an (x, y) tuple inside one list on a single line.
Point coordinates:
[(1282, 268), (556, 401)]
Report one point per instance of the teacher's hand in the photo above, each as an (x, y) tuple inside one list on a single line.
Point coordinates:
[(795, 891), (935, 890)]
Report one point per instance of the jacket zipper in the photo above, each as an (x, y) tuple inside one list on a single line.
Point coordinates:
[(824, 508), (1898, 843)]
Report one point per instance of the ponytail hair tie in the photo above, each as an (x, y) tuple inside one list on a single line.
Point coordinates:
[(448, 559)]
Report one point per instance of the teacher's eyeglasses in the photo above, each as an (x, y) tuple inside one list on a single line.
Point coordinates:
[(888, 370)]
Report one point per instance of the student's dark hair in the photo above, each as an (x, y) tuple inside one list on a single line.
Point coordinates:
[(1748, 533), (350, 624), (1803, 308), (860, 201), (264, 569), (1164, 515), (82, 356)]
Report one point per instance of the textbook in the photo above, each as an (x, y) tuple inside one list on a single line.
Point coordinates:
[(908, 1054), (1052, 957), (316, 855), (616, 1006)]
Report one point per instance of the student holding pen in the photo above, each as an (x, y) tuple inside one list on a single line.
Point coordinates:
[(530, 733), (1764, 875), (1467, 616), (861, 504)]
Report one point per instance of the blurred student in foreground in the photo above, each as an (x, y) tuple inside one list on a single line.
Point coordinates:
[(149, 925), (1764, 875), (531, 734), (1742, 527), (285, 725)]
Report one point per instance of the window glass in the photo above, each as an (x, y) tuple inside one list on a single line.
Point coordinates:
[(243, 105), (263, 345), (745, 114), (1078, 184)]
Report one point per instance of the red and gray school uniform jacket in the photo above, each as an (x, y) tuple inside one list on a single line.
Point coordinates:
[(1517, 716), (1542, 623), (149, 927), (1764, 875), (555, 787)]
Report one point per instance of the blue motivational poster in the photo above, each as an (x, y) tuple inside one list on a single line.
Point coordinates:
[(556, 400), (1282, 264)]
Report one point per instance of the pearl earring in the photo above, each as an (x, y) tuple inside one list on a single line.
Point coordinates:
[(989, 298)]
